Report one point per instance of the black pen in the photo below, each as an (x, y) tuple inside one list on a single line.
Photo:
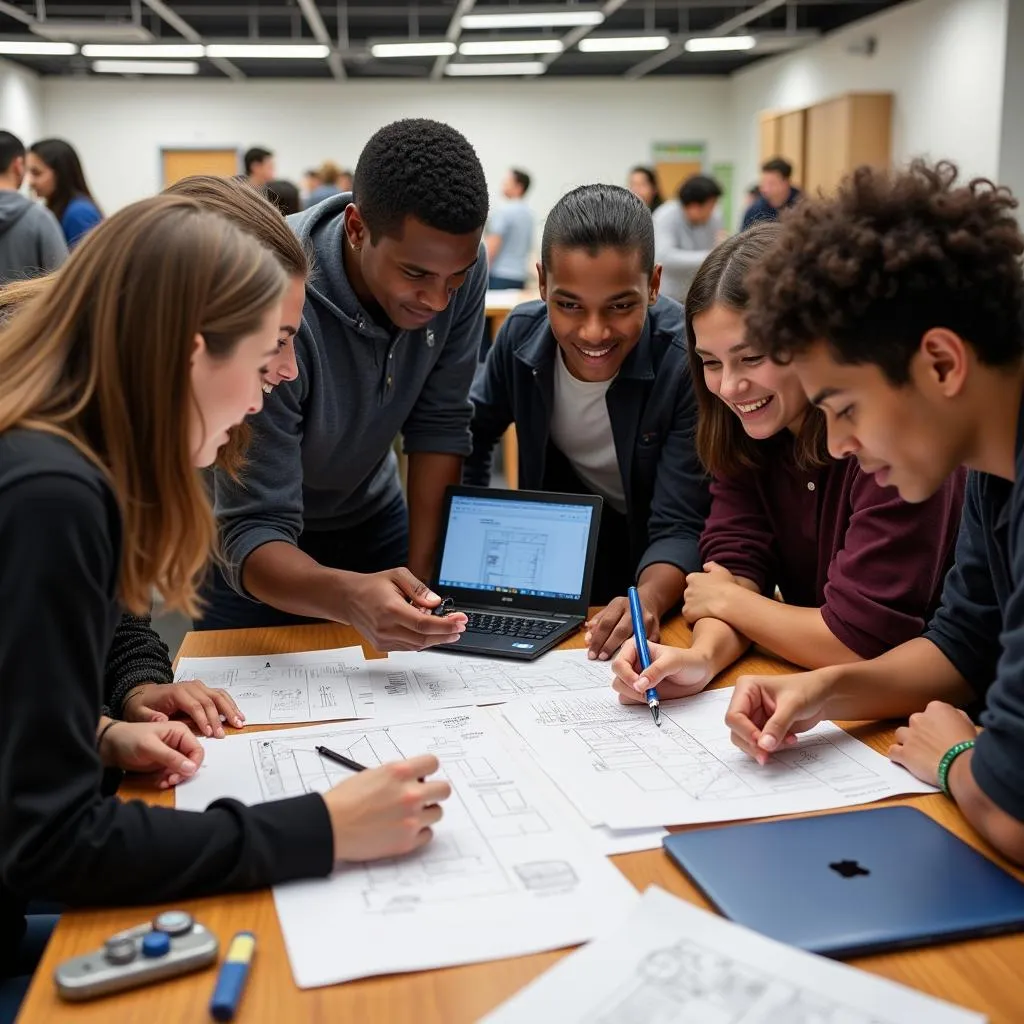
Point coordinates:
[(341, 759)]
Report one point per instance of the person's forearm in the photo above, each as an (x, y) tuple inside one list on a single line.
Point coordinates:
[(895, 684), (718, 643), (493, 245), (661, 587), (430, 473), (797, 634), (1002, 830), (282, 576)]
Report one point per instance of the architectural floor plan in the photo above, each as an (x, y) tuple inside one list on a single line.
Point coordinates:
[(625, 771), (427, 680), (504, 875), (282, 689), (670, 963)]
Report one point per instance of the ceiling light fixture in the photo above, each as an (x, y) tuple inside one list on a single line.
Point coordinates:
[(27, 48), (417, 48), (535, 19), (497, 47), (291, 51), (720, 44), (145, 67), (622, 44), (143, 50), (483, 69)]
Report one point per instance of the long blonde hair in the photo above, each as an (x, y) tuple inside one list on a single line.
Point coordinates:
[(100, 354)]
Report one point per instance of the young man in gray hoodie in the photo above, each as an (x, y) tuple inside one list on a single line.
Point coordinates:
[(31, 241), (318, 526)]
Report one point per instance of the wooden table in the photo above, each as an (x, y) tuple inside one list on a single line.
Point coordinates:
[(984, 975)]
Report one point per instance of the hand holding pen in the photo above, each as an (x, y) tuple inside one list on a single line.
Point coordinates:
[(668, 671)]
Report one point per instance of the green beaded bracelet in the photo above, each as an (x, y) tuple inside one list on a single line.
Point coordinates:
[(947, 762)]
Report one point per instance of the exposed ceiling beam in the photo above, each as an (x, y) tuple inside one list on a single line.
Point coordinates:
[(17, 14), (452, 35), (321, 35), (161, 10), (571, 38), (721, 29)]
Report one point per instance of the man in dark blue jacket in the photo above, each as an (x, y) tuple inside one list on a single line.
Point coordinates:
[(777, 192), (595, 379)]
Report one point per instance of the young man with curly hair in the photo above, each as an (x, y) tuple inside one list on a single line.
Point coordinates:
[(317, 526), (899, 302)]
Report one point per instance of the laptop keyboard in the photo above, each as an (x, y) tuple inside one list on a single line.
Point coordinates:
[(507, 625)]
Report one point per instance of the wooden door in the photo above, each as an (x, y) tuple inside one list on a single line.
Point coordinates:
[(791, 142), (670, 174), (770, 135), (182, 163), (871, 129), (828, 144)]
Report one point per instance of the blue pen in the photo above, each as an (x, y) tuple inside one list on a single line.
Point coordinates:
[(640, 636), (234, 972)]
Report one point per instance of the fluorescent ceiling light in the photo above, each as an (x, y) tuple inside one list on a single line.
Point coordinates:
[(621, 44), (27, 48), (519, 67), (293, 51), (142, 50), (493, 47), (421, 48), (537, 19), (145, 67), (91, 30), (717, 44)]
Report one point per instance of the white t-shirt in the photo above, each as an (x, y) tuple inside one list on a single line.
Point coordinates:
[(582, 431)]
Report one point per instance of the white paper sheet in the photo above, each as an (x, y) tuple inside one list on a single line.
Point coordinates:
[(282, 689), (426, 680), (621, 769), (608, 841), (505, 875), (671, 963)]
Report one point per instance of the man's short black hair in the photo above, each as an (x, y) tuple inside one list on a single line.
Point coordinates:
[(11, 147), (256, 155), (521, 178), (872, 268), (423, 169), (595, 217), (779, 166), (699, 188)]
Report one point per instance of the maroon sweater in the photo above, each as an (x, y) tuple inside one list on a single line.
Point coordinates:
[(831, 538)]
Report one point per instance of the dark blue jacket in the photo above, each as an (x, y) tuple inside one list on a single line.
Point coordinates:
[(653, 416), (761, 209)]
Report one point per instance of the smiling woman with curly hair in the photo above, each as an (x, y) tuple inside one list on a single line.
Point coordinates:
[(900, 304)]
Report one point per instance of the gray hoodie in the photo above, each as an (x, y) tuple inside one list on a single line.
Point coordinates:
[(31, 241), (321, 456)]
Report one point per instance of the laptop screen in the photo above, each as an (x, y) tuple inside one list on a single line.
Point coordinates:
[(511, 546)]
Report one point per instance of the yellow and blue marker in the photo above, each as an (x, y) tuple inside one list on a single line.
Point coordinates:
[(234, 973)]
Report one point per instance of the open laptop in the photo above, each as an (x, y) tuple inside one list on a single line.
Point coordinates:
[(851, 884), (519, 564)]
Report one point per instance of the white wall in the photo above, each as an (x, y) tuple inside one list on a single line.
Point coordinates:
[(943, 60), (563, 133), (21, 103), (1011, 151)]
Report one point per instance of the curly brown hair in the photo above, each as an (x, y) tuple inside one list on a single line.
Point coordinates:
[(890, 255)]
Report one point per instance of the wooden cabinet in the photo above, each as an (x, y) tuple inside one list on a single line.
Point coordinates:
[(826, 141)]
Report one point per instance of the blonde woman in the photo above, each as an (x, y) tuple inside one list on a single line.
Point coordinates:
[(116, 381)]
